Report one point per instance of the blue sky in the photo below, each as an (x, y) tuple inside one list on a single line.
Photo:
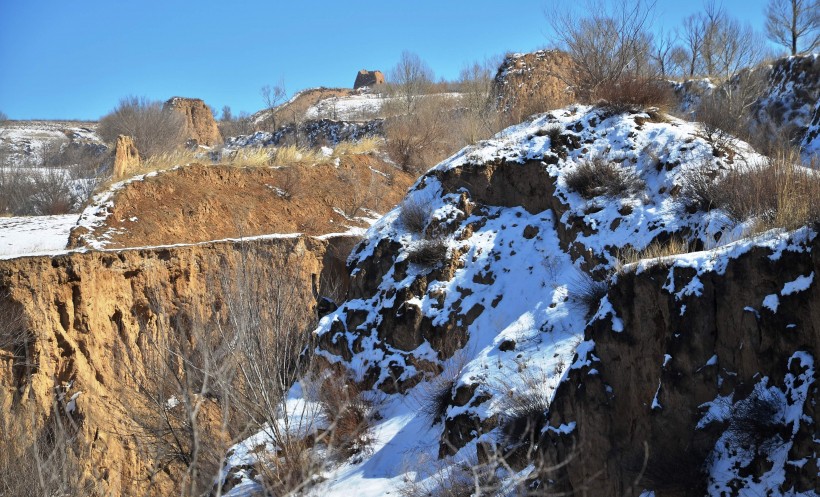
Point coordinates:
[(64, 60)]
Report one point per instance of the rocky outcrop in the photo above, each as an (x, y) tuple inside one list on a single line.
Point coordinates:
[(126, 157), (696, 375), (533, 82), (368, 78), (200, 126), (85, 323)]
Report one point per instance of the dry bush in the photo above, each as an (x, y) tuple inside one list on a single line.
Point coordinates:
[(291, 154), (155, 130), (588, 293), (242, 125), (26, 192), (656, 250), (349, 414), (414, 214), (419, 140), (42, 451), (290, 470), (635, 94), (597, 176), (756, 420), (428, 252), (777, 192), (524, 413)]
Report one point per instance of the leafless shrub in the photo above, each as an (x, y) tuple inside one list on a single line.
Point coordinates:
[(525, 414), (756, 419), (428, 252), (419, 140), (349, 414), (414, 214), (155, 130), (236, 126), (635, 94), (608, 45), (588, 293), (777, 192), (597, 176), (43, 451)]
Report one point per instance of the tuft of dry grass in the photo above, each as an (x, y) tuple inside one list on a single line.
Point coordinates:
[(655, 251), (635, 95), (414, 214), (367, 145), (597, 176), (777, 192), (428, 252)]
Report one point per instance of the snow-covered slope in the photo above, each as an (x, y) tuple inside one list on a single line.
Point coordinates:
[(485, 300)]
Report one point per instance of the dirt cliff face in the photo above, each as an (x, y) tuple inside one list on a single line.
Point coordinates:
[(197, 203), (533, 82), (85, 321), (696, 378), (200, 125), (126, 156)]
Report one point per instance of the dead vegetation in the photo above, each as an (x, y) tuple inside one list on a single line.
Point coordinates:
[(776, 192), (597, 176)]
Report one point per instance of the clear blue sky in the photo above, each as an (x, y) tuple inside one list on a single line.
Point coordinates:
[(63, 60)]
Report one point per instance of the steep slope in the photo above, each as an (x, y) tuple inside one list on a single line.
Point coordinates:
[(84, 325), (468, 302)]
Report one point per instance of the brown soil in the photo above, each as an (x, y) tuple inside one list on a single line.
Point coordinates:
[(199, 203), (533, 82), (295, 110)]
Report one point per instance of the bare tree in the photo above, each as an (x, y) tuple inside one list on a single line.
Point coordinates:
[(693, 35), (480, 118), (410, 79), (155, 130), (3, 116), (273, 96), (663, 54), (795, 24), (608, 45)]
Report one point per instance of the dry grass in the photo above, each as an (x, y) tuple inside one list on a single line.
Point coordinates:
[(777, 193), (654, 251), (597, 176), (635, 95), (428, 252), (368, 145), (414, 214), (349, 414)]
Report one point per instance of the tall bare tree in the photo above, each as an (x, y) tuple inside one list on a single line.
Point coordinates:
[(795, 24), (410, 79), (273, 96), (610, 43)]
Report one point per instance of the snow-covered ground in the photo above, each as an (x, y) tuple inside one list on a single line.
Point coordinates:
[(35, 235), (359, 107), (523, 285), (24, 141)]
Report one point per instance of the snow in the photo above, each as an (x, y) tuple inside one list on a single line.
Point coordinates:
[(531, 301), (800, 284), (771, 302), (35, 235), (359, 107)]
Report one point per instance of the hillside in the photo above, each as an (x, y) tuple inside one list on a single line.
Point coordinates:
[(492, 348), (197, 202)]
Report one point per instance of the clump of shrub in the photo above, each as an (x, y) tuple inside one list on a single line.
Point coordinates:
[(349, 415), (588, 293), (155, 129), (597, 176), (428, 252), (635, 94), (414, 214), (656, 250), (777, 192), (755, 420)]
